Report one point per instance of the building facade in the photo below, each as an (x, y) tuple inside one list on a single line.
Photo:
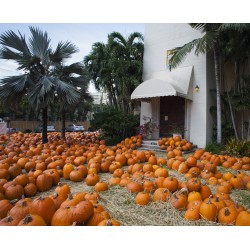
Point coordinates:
[(180, 98)]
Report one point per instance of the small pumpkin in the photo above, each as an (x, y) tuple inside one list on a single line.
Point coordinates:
[(32, 220), (142, 198), (243, 219), (208, 210), (227, 215), (101, 186), (109, 222), (192, 214)]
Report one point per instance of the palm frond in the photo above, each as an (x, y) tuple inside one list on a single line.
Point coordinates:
[(239, 27), (39, 44), (63, 50), (42, 93), (12, 40), (67, 91), (116, 38), (180, 53), (133, 36)]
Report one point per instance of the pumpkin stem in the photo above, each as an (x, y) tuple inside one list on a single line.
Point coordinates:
[(70, 196), (217, 198), (55, 195), (9, 218), (109, 223), (12, 202), (226, 212), (27, 219)]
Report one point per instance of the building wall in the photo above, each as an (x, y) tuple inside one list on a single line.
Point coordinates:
[(162, 37)]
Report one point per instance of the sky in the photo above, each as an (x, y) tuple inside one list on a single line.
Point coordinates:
[(83, 35)]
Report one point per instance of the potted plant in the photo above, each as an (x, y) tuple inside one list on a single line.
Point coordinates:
[(147, 128), (177, 130)]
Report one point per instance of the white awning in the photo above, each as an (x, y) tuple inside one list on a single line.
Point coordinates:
[(174, 83)]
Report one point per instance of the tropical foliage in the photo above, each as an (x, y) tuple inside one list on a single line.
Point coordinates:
[(229, 43), (116, 67), (114, 123), (36, 61)]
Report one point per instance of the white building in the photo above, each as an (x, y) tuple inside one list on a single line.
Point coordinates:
[(171, 97)]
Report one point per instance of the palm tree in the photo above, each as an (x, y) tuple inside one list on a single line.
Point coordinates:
[(117, 67), (127, 54), (99, 65), (210, 41), (36, 60), (76, 75)]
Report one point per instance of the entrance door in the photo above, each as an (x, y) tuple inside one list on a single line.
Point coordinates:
[(172, 114)]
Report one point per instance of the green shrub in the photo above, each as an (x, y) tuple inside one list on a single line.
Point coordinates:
[(215, 148), (238, 148), (114, 123)]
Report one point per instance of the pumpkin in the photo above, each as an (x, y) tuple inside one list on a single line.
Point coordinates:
[(191, 161), (30, 190), (109, 222), (134, 187), (92, 179), (113, 181), (32, 220), (149, 186), (62, 189), (179, 199), (159, 182), (161, 172), (19, 211), (14, 171), (67, 168), (5, 206), (14, 191), (118, 172), (57, 199), (171, 183), (101, 186), (208, 210), (67, 215), (243, 219), (44, 182), (194, 184), (142, 198), (227, 215), (161, 194), (194, 204), (97, 217), (9, 221), (192, 214), (194, 196), (45, 207), (76, 175)]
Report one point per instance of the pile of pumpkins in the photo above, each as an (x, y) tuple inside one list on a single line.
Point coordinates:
[(205, 165), (59, 209), (28, 167), (176, 142), (151, 183)]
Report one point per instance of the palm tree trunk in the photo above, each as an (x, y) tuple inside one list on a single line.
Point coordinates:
[(218, 98), (63, 125), (232, 117), (44, 132), (248, 131), (242, 125)]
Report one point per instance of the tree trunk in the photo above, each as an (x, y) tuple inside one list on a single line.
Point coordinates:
[(248, 132), (218, 98), (232, 117), (242, 125), (63, 125), (44, 132)]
